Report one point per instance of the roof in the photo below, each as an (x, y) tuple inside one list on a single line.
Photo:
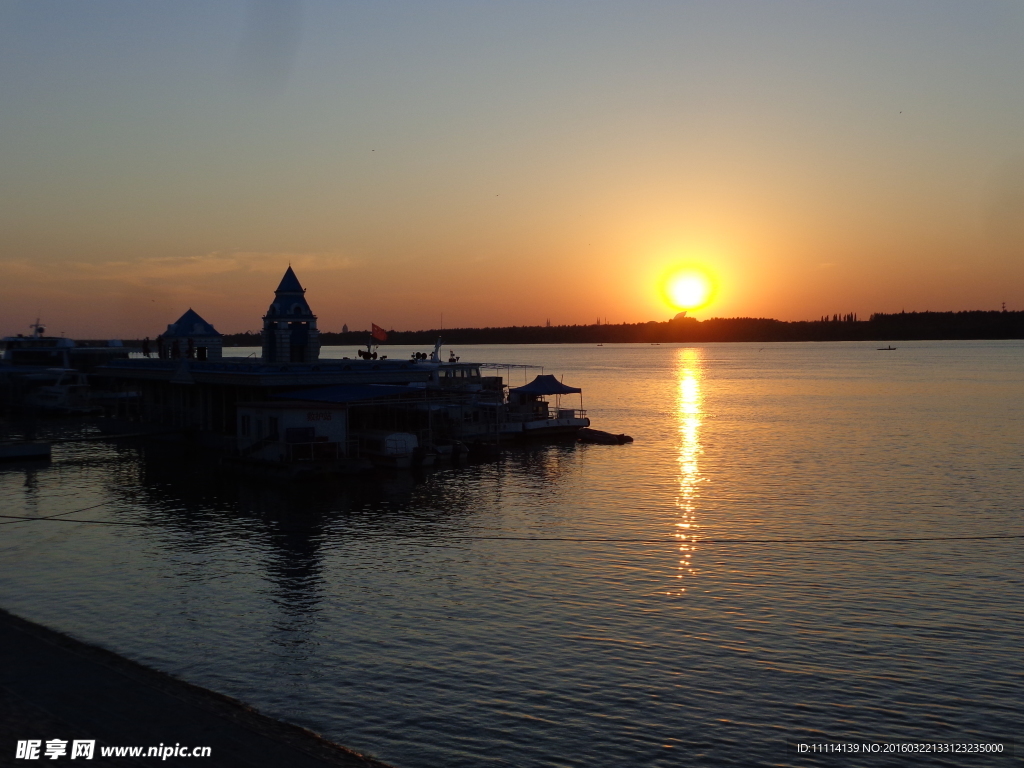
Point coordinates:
[(290, 300), (546, 384), (190, 325), (349, 393), (289, 283)]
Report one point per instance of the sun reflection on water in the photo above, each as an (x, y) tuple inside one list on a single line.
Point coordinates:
[(688, 417)]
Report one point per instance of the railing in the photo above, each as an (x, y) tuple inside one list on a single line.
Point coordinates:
[(553, 413), (312, 451), (570, 413), (250, 449)]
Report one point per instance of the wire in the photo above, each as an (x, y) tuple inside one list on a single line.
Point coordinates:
[(733, 541), (901, 540), (16, 519)]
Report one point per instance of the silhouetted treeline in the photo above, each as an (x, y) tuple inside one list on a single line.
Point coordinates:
[(841, 327)]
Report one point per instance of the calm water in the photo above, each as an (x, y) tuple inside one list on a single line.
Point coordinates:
[(474, 616)]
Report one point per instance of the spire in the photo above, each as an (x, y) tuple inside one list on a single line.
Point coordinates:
[(289, 327), (290, 283)]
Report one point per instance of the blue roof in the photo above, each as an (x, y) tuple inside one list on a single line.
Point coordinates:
[(190, 324), (350, 393), (290, 300), (546, 385), (289, 283)]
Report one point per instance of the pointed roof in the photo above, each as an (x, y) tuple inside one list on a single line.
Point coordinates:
[(290, 283), (289, 300), (190, 324)]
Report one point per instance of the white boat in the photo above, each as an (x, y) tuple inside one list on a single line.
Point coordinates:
[(529, 414), (390, 449), (59, 390), (59, 351)]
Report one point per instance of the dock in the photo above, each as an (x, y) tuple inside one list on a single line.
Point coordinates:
[(55, 687)]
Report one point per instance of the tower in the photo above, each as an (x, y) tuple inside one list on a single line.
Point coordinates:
[(289, 327)]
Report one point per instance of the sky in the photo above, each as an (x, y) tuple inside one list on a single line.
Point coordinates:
[(505, 163)]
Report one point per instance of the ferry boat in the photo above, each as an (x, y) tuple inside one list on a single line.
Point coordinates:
[(484, 412), (58, 351), (50, 372)]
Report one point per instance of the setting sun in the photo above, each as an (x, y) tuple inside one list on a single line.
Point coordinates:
[(688, 289)]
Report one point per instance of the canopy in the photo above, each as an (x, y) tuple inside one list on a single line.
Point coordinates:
[(546, 385)]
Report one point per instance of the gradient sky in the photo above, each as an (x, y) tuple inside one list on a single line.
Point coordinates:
[(505, 162)]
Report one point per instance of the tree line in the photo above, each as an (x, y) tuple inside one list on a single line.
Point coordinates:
[(902, 326)]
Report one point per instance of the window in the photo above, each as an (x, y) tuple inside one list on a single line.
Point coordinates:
[(245, 425)]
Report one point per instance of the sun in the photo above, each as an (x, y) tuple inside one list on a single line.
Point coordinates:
[(688, 289)]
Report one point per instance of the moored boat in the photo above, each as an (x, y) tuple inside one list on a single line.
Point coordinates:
[(24, 450)]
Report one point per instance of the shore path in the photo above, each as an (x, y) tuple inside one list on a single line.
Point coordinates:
[(55, 687)]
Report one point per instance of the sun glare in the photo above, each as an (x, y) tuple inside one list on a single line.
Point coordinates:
[(688, 289)]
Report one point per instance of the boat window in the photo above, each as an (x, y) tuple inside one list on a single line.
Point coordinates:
[(245, 425)]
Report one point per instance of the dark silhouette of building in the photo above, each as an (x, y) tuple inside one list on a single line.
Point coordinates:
[(289, 327), (193, 337)]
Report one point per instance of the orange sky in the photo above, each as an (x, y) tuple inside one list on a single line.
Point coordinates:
[(506, 164)]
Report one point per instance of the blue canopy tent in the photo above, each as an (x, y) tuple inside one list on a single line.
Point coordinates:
[(546, 385)]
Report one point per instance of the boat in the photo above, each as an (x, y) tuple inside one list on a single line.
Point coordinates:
[(59, 351), (399, 450), (59, 390), (890, 348), (24, 450), (529, 414)]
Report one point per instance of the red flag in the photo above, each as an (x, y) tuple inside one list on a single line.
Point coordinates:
[(378, 333)]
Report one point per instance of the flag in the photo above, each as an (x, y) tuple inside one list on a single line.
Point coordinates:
[(378, 333)]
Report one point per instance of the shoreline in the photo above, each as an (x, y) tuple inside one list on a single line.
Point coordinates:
[(53, 686)]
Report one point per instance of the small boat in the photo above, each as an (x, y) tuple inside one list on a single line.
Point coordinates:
[(24, 450), (890, 348), (527, 414), (399, 450), (60, 390)]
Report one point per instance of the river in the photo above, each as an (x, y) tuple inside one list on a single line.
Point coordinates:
[(794, 547)]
